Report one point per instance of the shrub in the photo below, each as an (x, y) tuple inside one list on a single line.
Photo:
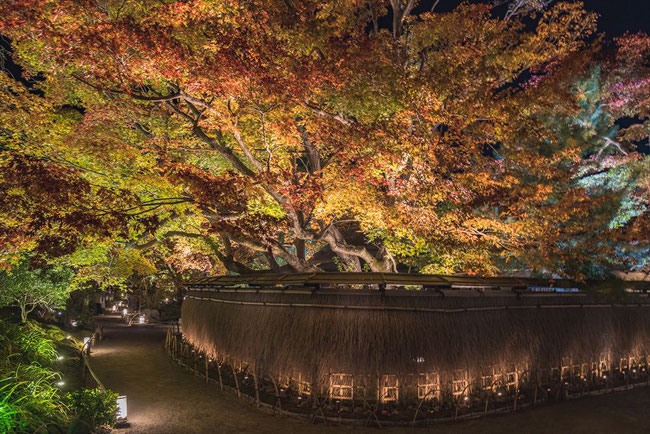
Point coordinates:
[(93, 406), (29, 400)]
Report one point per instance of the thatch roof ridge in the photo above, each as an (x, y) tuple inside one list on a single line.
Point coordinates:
[(390, 279)]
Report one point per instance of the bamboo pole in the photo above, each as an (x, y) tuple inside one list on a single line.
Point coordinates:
[(278, 401), (207, 378), (220, 378), (234, 373), (413, 309), (257, 390)]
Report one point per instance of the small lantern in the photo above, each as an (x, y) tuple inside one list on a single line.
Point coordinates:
[(141, 319), (125, 311), (121, 408)]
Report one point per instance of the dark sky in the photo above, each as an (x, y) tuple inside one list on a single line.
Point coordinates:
[(616, 16), (619, 16)]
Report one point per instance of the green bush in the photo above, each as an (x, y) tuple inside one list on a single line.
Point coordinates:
[(30, 401), (93, 406)]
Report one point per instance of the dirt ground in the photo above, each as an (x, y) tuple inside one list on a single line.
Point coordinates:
[(164, 398)]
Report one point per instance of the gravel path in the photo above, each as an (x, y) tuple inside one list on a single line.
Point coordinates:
[(164, 398)]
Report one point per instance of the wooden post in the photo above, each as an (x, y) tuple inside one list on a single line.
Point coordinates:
[(234, 373), (83, 368), (195, 356), (219, 372), (257, 390), (207, 378), (278, 401)]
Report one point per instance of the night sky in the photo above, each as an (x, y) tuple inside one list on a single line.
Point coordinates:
[(616, 16), (619, 16)]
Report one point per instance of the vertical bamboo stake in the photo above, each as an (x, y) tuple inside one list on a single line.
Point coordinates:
[(219, 372), (207, 378), (234, 373), (257, 390), (83, 368), (278, 402)]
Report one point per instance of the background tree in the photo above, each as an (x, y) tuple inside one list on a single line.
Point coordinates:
[(28, 289)]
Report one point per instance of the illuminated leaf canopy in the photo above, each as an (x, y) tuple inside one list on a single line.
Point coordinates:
[(303, 136)]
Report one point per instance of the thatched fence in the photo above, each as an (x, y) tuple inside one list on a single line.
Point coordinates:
[(375, 344)]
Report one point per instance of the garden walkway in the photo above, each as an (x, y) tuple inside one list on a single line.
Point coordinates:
[(164, 398)]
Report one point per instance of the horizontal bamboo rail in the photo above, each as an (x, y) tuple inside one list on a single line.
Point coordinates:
[(412, 308), (86, 365)]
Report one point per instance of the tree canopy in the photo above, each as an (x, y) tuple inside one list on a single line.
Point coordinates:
[(264, 134)]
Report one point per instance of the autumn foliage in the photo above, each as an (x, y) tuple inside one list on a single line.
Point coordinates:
[(308, 135)]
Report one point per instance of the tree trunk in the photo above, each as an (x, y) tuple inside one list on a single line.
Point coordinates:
[(23, 313)]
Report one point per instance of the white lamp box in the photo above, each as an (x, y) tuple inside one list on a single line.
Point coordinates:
[(121, 408)]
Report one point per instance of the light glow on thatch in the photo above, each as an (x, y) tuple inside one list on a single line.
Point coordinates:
[(415, 334)]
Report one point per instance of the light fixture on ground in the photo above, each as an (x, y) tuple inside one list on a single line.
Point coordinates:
[(141, 319), (121, 409)]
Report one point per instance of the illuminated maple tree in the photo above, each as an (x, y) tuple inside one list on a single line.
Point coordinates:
[(279, 134)]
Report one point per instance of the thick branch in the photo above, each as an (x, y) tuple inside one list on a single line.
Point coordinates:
[(223, 150), (400, 12), (319, 111), (310, 149), (335, 239)]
